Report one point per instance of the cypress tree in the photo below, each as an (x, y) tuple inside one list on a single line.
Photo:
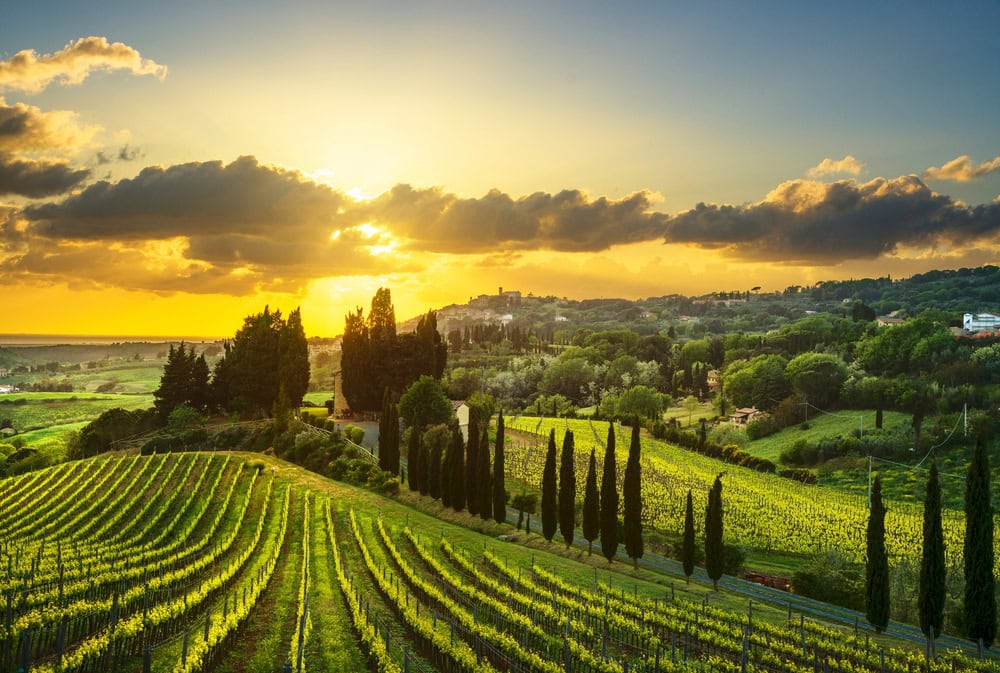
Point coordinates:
[(549, 489), (434, 478), (472, 463), (591, 505), (980, 606), (877, 575), (632, 497), (499, 484), (446, 470), (388, 435), (457, 465), (485, 492), (930, 602), (413, 453), (567, 489), (713, 533), (609, 499), (425, 468), (687, 545)]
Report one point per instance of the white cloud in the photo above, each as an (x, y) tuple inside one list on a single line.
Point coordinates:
[(846, 166), (961, 169)]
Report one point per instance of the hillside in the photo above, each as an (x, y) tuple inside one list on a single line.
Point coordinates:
[(173, 555)]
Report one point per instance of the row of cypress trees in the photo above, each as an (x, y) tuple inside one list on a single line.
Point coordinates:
[(462, 475), (979, 604), (600, 507)]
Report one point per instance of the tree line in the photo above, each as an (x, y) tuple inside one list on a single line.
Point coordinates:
[(375, 358)]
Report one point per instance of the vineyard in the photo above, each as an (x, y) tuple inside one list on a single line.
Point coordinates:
[(217, 562), (761, 511)]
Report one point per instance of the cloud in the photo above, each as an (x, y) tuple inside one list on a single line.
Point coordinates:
[(805, 222), (846, 166), (434, 220), (30, 72), (124, 153), (198, 227), (37, 178), (25, 128), (961, 169)]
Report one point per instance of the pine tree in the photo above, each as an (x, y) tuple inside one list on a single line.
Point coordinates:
[(632, 497), (549, 489), (499, 477), (413, 454), (484, 481), (434, 478), (609, 499), (713, 533), (687, 545), (877, 563), (591, 505), (388, 437), (472, 464), (567, 489), (930, 601), (980, 605)]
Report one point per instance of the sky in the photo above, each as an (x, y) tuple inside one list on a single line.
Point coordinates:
[(168, 168)]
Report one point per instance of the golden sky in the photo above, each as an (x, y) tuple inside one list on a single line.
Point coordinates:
[(161, 181)]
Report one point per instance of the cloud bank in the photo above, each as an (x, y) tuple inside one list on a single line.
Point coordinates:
[(961, 169), (37, 178), (25, 128), (32, 72), (239, 227)]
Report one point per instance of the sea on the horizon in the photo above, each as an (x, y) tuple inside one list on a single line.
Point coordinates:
[(94, 339)]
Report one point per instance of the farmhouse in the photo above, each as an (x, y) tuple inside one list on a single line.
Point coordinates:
[(887, 321), (974, 323), (743, 415), (462, 412), (6, 389), (715, 380), (4, 372)]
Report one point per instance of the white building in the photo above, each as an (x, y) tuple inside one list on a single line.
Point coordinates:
[(980, 322)]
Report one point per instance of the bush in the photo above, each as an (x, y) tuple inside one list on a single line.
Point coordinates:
[(799, 474), (830, 577)]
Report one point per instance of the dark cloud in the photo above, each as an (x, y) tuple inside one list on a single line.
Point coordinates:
[(437, 221), (194, 199), (804, 222), (127, 153), (37, 178)]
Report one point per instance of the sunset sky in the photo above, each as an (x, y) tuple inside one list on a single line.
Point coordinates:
[(168, 168)]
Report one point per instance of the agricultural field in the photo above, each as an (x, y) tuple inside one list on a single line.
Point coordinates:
[(34, 411), (240, 562), (823, 425), (763, 512)]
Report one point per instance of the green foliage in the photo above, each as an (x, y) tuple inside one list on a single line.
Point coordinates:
[(456, 474), (567, 489), (425, 403), (435, 440), (714, 552), (933, 572), (910, 348), (374, 357), (591, 505), (184, 417), (115, 424), (388, 437), (184, 381), (877, 563), (293, 359), (640, 401), (549, 490), (484, 480), (980, 610), (414, 454), (817, 377), (499, 469), (609, 498), (830, 577), (632, 497), (472, 463), (759, 382), (688, 541)]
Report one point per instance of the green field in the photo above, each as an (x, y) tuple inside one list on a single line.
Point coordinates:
[(823, 425), (392, 584), (688, 418), (34, 411)]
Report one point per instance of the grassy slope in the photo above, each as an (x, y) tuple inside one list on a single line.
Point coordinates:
[(820, 426)]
